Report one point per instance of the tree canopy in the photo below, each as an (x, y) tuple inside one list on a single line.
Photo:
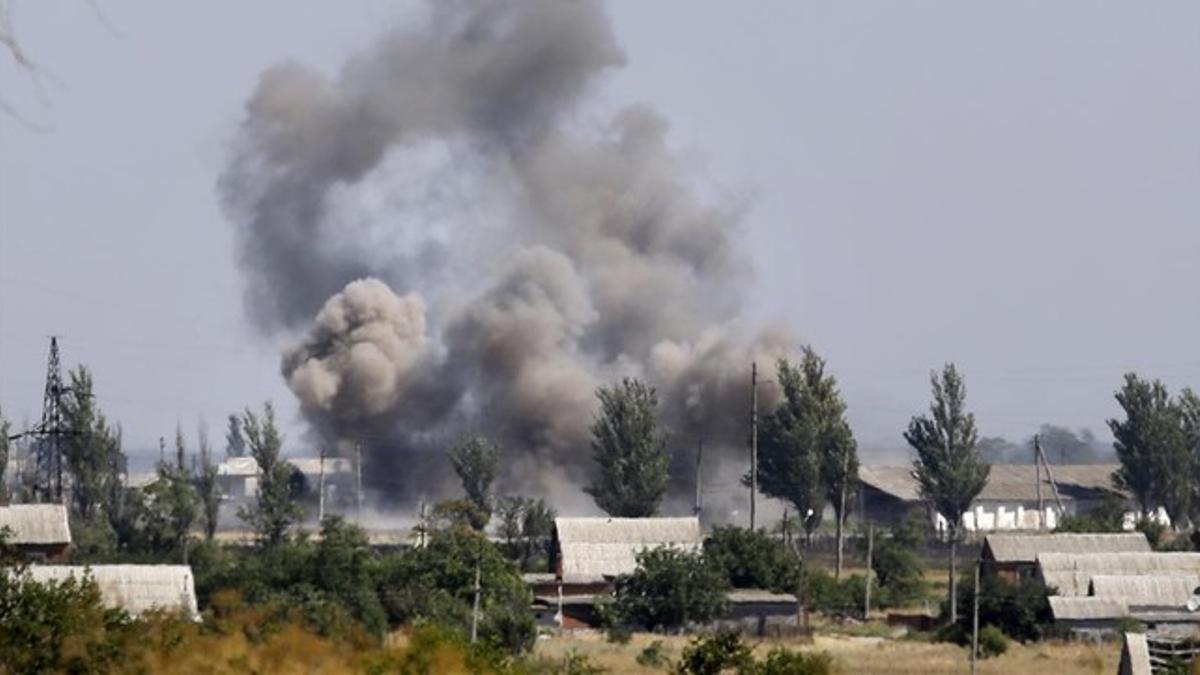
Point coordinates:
[(276, 507), (630, 451), (476, 460)]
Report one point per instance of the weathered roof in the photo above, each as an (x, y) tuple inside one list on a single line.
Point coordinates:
[(1026, 547), (1145, 590), (238, 466), (36, 524), (753, 595), (133, 588), (1135, 655), (312, 465), (1006, 482), (1071, 574), (599, 547), (1086, 608), (246, 466)]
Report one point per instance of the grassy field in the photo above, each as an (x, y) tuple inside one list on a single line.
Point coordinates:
[(857, 654)]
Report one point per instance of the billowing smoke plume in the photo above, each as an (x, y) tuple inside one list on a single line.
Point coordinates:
[(481, 249)]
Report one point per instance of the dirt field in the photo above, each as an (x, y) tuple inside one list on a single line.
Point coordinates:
[(866, 655)]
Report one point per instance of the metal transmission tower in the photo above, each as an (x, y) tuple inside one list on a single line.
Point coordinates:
[(49, 433)]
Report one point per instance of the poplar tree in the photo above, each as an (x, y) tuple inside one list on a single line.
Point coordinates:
[(948, 468), (276, 507), (1152, 447), (807, 453), (4, 445), (630, 450), (476, 460)]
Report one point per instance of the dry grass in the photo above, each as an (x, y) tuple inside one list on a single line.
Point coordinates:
[(862, 655)]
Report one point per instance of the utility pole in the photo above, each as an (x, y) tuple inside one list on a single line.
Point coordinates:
[(753, 440), (1037, 444), (974, 622), (1037, 462), (475, 607), (321, 485), (699, 505), (867, 593), (358, 491)]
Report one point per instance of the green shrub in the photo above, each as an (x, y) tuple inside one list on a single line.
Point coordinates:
[(57, 626), (753, 559), (825, 594), (781, 661), (653, 656), (898, 570), (669, 589), (1020, 609), (992, 642), (714, 654)]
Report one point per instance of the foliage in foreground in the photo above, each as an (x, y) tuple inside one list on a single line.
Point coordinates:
[(725, 652), (753, 559), (669, 590)]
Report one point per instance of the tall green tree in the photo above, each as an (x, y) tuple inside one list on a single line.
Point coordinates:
[(630, 450), (90, 451), (949, 471), (235, 442), (1152, 448), (276, 507), (789, 456), (5, 429), (476, 460), (207, 490)]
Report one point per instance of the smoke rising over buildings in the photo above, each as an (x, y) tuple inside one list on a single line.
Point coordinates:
[(465, 242)]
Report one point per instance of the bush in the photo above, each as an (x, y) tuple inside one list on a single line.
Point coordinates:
[(753, 559), (898, 571), (1019, 609), (725, 651), (826, 594), (714, 654), (669, 589), (992, 642), (436, 583), (57, 626), (781, 661), (653, 656)]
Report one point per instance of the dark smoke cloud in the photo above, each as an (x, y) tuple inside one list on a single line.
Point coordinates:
[(477, 255)]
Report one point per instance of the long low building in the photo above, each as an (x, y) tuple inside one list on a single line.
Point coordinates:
[(136, 589), (1014, 556), (1009, 500), (1095, 592)]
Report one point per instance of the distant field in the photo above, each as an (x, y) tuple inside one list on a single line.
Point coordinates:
[(864, 655)]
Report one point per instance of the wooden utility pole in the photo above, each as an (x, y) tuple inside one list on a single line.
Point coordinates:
[(1037, 462), (974, 622), (1037, 444), (841, 514), (699, 505), (753, 440), (358, 478), (475, 607), (870, 552), (321, 486)]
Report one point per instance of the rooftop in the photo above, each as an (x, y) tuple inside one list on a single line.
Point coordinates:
[(1006, 482), (598, 547), (133, 588), (36, 524), (1026, 547)]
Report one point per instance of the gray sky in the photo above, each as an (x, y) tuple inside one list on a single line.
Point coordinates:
[(1012, 187)]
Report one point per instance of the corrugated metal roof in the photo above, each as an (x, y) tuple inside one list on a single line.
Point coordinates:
[(133, 588), (1085, 608), (1026, 547), (1071, 574), (246, 466), (593, 548), (750, 595), (1006, 482), (1145, 590), (36, 524), (238, 466)]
